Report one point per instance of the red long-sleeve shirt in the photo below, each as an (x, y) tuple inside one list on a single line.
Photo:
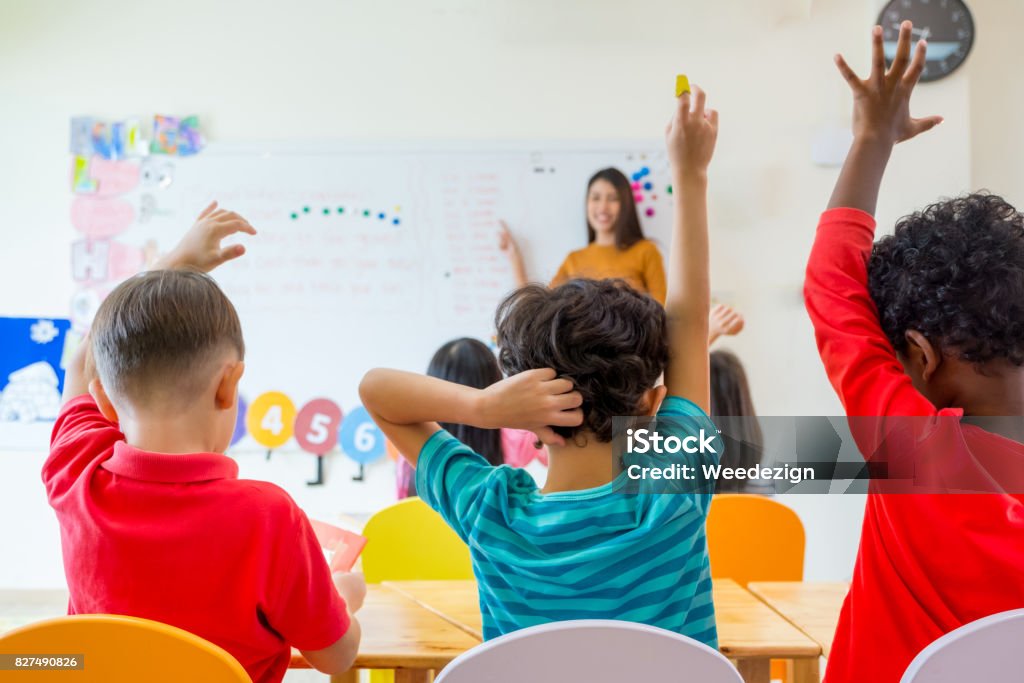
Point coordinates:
[(927, 563)]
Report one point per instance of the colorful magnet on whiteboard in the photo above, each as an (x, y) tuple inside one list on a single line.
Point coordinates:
[(649, 212), (366, 213), (381, 215), (271, 419), (638, 198), (648, 186), (635, 185), (327, 212), (668, 189), (316, 426), (682, 84), (395, 221), (294, 215), (360, 438), (239, 421), (305, 209), (645, 171), (341, 209)]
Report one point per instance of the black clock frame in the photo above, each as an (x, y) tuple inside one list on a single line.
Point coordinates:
[(925, 77)]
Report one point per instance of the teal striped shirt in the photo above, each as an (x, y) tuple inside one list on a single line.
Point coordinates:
[(590, 554)]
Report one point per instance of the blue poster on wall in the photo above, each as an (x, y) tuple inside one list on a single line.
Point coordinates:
[(31, 372)]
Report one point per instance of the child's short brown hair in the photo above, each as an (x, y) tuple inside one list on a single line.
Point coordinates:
[(157, 332), (609, 339)]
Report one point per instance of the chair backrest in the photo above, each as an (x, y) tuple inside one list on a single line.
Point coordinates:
[(120, 648), (408, 541), (592, 650), (983, 650), (754, 538)]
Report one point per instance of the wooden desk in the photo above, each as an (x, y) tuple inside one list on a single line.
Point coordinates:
[(811, 607), (399, 634), (749, 632), (454, 601)]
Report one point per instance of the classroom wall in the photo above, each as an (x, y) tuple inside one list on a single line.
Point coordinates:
[(487, 69)]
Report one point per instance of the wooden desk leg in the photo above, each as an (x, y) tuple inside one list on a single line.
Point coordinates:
[(413, 676), (350, 676), (806, 671), (755, 670)]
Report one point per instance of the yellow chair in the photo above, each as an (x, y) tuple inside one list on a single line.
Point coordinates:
[(118, 648), (408, 541), (754, 538)]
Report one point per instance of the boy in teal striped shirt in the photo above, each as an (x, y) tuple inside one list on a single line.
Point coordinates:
[(586, 546)]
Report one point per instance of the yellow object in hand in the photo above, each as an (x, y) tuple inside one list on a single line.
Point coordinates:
[(682, 84)]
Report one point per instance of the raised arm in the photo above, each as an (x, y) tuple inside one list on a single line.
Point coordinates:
[(200, 249), (690, 137), (407, 406), (859, 360)]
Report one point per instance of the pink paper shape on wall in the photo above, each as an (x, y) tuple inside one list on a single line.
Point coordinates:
[(124, 260), (114, 177), (99, 218)]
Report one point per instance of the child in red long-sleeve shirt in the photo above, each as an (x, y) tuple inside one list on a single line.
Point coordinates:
[(922, 336)]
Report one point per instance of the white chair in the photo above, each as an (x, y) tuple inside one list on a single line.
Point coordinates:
[(984, 650), (592, 650)]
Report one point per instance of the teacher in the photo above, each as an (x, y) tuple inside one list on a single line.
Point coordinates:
[(617, 249)]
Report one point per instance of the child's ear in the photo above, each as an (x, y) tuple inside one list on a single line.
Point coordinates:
[(227, 390), (652, 399), (99, 394), (923, 354)]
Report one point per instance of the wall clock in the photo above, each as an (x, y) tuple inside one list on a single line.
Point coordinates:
[(947, 25)]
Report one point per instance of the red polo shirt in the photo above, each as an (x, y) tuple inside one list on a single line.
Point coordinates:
[(928, 563), (181, 540)]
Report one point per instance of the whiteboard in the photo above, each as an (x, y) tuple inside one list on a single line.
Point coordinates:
[(375, 256)]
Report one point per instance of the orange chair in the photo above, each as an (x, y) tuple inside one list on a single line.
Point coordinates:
[(754, 538), (117, 648)]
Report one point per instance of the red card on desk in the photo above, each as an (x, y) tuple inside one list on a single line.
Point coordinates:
[(344, 545)]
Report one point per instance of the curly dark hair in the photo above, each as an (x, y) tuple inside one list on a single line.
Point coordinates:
[(954, 272), (606, 337)]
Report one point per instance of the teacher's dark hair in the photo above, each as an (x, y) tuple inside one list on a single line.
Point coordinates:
[(627, 226)]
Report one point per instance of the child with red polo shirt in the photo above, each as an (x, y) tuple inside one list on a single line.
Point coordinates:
[(154, 520), (922, 336)]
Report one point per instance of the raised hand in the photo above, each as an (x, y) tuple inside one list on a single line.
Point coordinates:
[(535, 401), (881, 102), (881, 118), (691, 134), (724, 320), (200, 248)]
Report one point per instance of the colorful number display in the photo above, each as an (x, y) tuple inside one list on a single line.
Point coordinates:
[(316, 426), (360, 437), (271, 419)]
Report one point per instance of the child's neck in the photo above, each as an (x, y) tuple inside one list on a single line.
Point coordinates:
[(169, 433), (997, 393), (574, 468)]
